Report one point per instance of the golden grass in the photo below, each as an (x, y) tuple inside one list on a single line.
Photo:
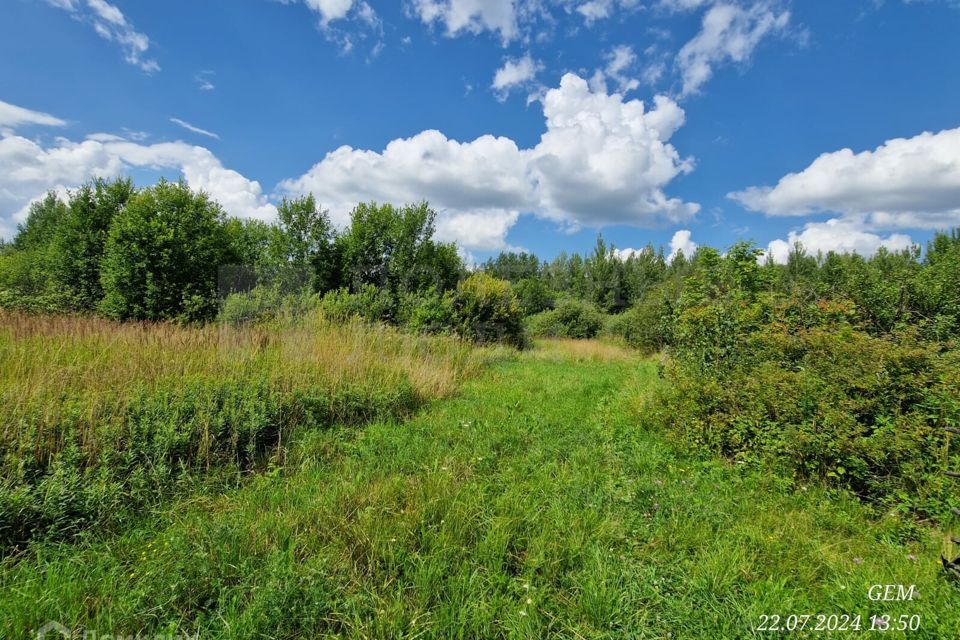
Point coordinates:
[(579, 350), (53, 364)]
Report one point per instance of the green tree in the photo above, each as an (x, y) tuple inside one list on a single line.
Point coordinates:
[(393, 248), (80, 237), (43, 219), (162, 256), (301, 251)]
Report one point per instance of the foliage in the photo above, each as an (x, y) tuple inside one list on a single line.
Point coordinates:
[(301, 252), (393, 249), (570, 319), (485, 309), (266, 303), (370, 303), (163, 254), (832, 387), (429, 312), (534, 296)]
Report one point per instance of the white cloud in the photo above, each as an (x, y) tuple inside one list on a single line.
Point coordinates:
[(903, 183), (479, 230), (29, 169), (344, 11), (841, 235), (729, 33), (601, 160), (593, 10), (681, 242), (472, 16), (620, 60), (515, 72), (204, 81), (189, 127), (683, 5), (11, 116), (110, 24), (330, 10)]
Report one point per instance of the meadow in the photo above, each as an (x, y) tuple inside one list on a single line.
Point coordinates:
[(535, 502)]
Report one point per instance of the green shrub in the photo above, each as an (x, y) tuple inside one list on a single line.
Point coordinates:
[(429, 312), (648, 326), (570, 319), (262, 304), (534, 296), (486, 310), (801, 389), (162, 256), (370, 304)]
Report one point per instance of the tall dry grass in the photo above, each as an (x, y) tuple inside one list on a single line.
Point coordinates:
[(99, 415)]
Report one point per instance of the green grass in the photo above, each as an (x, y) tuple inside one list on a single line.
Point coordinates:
[(533, 504)]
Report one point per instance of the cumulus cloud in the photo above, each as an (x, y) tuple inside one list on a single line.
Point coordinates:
[(619, 60), (344, 11), (841, 235), (471, 16), (189, 127), (601, 160), (681, 243), (11, 116), (683, 5), (515, 72), (28, 169), (593, 10), (903, 183), (330, 10), (110, 24), (729, 33)]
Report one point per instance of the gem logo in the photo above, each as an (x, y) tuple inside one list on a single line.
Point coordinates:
[(53, 631)]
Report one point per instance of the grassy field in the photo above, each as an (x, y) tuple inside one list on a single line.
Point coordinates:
[(101, 419), (533, 503)]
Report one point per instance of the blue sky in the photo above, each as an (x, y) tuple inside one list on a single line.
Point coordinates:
[(528, 124)]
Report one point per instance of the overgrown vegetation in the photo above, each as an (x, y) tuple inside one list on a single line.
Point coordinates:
[(102, 419)]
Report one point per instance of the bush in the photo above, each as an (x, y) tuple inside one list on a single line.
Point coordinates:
[(534, 296), (429, 312), (571, 319), (262, 304), (806, 392), (486, 310), (648, 326), (370, 304)]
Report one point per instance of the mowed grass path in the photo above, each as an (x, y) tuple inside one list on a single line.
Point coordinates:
[(534, 504)]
